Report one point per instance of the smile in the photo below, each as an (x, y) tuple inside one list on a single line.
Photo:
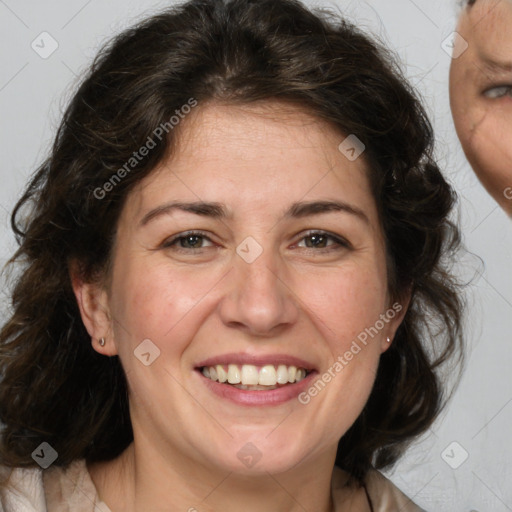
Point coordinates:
[(247, 379), (248, 376)]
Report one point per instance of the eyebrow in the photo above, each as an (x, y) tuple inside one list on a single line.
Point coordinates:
[(494, 66), (219, 211)]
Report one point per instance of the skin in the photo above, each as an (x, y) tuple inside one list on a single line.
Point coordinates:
[(481, 95), (306, 302)]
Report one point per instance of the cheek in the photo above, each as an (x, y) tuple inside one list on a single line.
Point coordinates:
[(151, 300), (349, 320), (460, 96), (354, 331), (489, 148), (346, 302)]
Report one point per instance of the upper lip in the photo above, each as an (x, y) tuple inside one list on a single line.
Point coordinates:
[(256, 360)]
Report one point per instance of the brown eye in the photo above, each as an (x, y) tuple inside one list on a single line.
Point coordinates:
[(316, 241), (322, 240), (191, 241)]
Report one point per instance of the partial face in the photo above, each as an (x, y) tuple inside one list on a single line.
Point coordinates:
[(276, 275), (481, 95)]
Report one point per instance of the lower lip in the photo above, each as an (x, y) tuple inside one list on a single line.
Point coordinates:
[(247, 397)]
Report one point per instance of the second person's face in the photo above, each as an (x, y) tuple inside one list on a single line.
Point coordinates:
[(481, 95)]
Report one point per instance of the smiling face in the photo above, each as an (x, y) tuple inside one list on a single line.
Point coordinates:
[(258, 243), (481, 95)]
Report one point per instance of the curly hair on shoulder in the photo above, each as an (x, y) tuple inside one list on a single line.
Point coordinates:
[(54, 386)]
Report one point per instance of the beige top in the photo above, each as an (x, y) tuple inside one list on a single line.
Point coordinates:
[(72, 490)]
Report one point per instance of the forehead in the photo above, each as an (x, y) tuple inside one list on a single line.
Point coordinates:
[(279, 126), (262, 136), (488, 25), (257, 157)]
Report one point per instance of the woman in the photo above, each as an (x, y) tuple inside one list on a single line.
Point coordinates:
[(234, 287), (481, 94)]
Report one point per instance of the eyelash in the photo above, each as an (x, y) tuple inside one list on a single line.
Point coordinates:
[(507, 88), (339, 243)]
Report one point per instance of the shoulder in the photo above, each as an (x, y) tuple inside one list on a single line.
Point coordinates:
[(384, 495), (67, 489), (22, 490)]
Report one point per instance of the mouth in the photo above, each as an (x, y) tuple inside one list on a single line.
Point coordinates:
[(256, 380)]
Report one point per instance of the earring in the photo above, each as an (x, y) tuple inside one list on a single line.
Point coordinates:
[(388, 339), (102, 342)]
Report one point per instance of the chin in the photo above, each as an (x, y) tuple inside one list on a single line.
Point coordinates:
[(273, 464), (261, 458)]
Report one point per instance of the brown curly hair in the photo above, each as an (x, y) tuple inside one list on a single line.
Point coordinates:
[(55, 387)]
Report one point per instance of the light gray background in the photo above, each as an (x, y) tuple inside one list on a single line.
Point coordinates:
[(34, 90)]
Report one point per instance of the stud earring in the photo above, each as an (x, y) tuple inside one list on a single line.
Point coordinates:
[(102, 342), (388, 339)]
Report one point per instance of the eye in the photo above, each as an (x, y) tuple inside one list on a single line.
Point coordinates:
[(321, 239), (189, 241), (195, 241), (498, 92)]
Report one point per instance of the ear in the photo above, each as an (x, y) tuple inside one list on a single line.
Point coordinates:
[(393, 317), (92, 299)]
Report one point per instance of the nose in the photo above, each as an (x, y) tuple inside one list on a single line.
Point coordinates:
[(260, 299)]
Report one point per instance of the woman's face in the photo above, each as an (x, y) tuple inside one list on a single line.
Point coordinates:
[(285, 268), (481, 95)]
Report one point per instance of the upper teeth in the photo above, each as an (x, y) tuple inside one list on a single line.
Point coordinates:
[(248, 374)]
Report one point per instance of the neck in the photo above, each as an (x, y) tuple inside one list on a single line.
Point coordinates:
[(142, 479)]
